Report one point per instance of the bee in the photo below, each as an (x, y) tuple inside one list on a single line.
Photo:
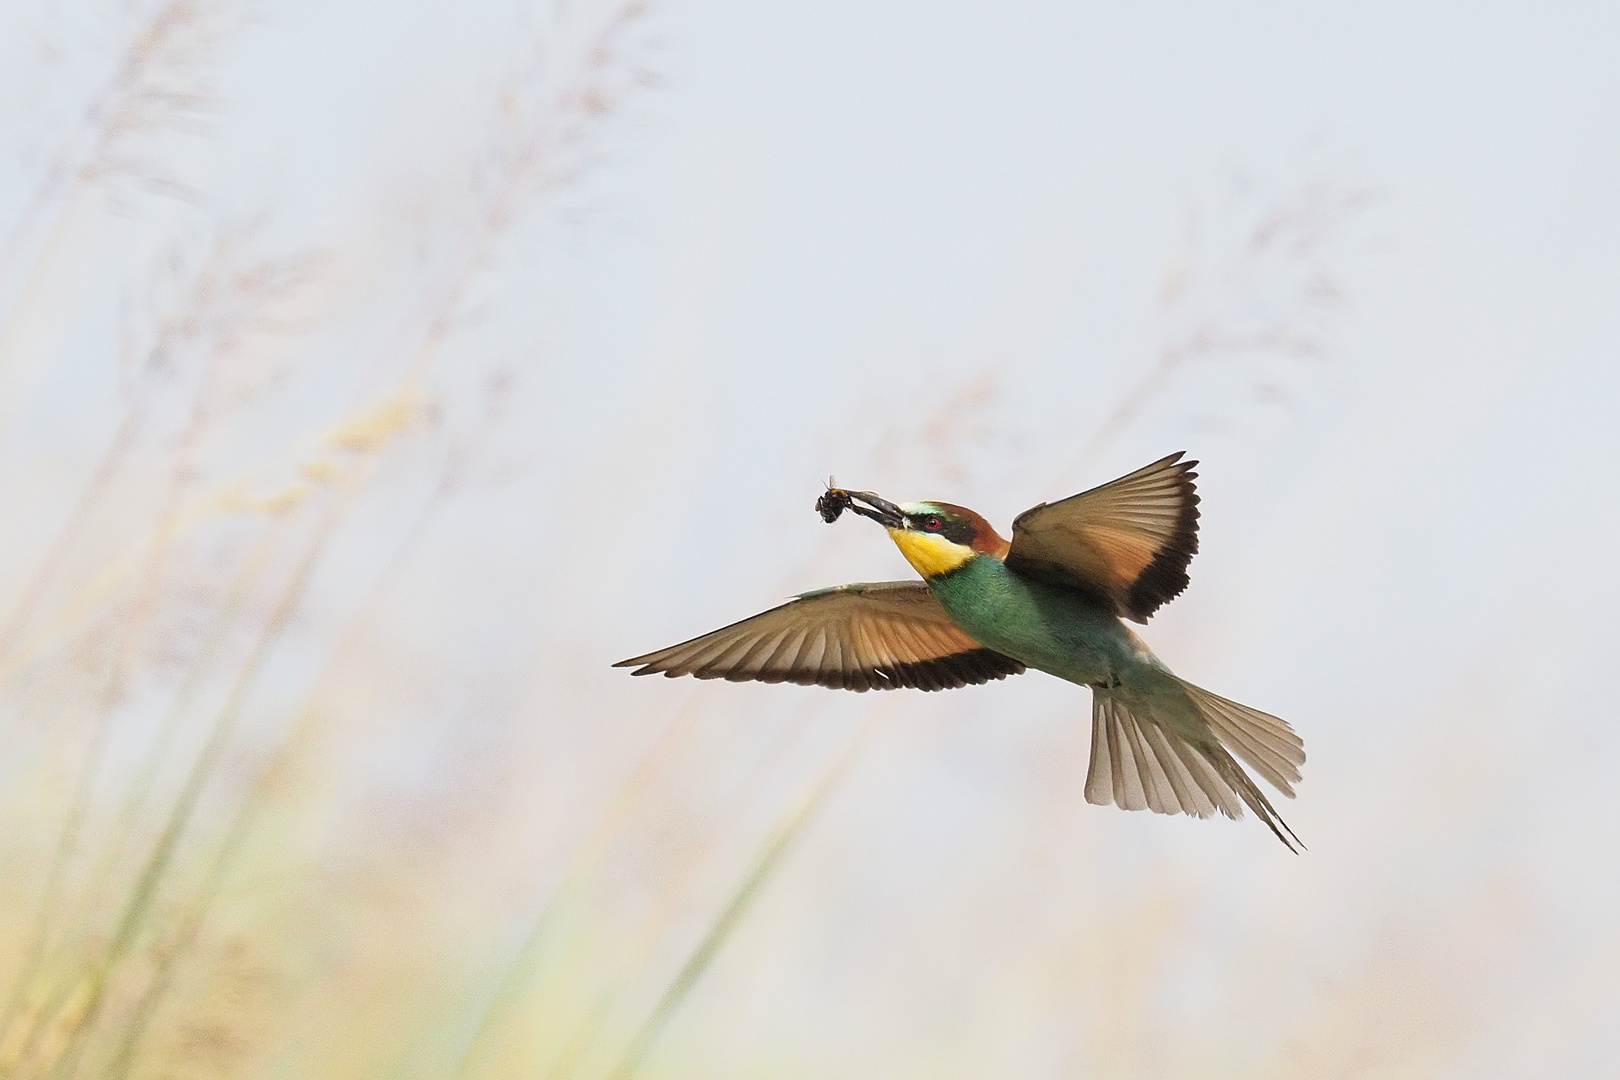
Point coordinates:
[(832, 502)]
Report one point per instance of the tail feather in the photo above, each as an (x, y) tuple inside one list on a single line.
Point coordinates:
[(1265, 743), (1256, 799), (1125, 788), (1135, 766), (1140, 763), (1211, 787)]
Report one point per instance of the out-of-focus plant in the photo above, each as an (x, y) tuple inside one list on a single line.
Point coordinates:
[(135, 637), (176, 673)]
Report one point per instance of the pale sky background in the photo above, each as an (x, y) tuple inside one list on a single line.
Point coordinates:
[(929, 249)]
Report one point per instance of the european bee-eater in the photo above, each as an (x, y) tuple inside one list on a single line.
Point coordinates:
[(1052, 599)]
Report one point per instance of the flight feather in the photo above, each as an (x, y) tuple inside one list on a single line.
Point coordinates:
[(1127, 542), (867, 636)]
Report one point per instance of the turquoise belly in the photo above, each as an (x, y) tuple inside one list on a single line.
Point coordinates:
[(1048, 627)]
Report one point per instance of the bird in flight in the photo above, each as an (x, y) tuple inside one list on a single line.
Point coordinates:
[(1052, 598)]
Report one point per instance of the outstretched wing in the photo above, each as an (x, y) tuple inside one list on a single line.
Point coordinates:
[(1128, 542), (867, 636)]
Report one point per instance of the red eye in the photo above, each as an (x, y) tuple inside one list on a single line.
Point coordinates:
[(931, 524)]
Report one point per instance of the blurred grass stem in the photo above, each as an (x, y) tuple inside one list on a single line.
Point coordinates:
[(759, 872)]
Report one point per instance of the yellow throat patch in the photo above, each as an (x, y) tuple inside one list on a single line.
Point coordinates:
[(930, 553)]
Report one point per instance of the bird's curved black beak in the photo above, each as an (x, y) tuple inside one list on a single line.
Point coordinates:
[(835, 501)]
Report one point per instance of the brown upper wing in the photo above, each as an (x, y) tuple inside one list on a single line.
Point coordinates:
[(868, 636), (1128, 542)]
